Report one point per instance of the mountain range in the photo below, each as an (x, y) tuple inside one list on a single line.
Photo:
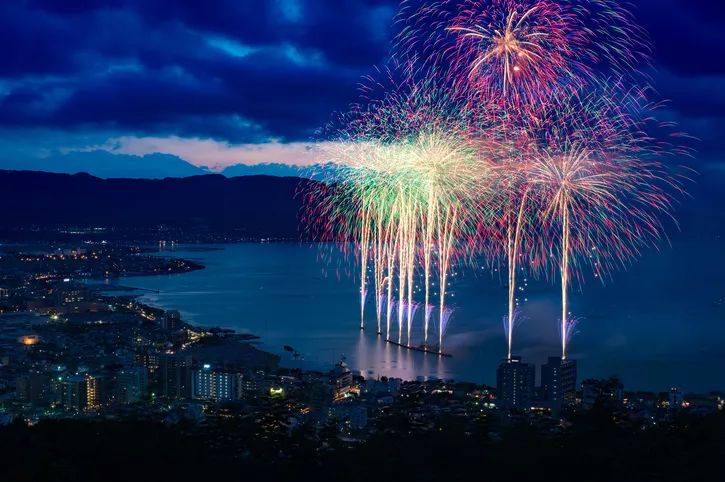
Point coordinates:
[(249, 205), (254, 206), (107, 165)]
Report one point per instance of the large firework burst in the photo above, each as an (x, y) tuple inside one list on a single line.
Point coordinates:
[(514, 53), (406, 182), (514, 129), (598, 183)]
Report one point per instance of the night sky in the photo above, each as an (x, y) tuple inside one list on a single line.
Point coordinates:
[(217, 83)]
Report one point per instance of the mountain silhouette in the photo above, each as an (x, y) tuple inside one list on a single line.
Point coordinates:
[(255, 206)]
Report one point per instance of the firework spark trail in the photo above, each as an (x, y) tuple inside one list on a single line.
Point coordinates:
[(389, 304), (410, 247), (363, 298), (364, 256), (412, 310), (565, 235), (428, 312), (394, 307), (409, 175), (390, 257), (597, 189), (410, 269), (402, 267), (443, 326), (568, 180), (514, 128), (427, 243), (515, 220), (380, 302), (513, 256), (379, 260), (446, 238), (510, 322), (567, 331)]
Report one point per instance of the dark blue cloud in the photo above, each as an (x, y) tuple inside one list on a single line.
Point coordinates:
[(249, 70), (157, 67)]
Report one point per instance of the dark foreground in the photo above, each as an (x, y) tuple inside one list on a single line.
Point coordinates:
[(593, 448)]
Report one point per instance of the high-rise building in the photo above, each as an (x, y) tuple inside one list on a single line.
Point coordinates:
[(341, 380), (558, 382), (250, 385), (73, 392), (217, 385), (174, 376), (515, 383), (96, 391)]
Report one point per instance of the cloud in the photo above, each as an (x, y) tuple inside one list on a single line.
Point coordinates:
[(213, 154), (238, 71), (266, 72), (106, 165)]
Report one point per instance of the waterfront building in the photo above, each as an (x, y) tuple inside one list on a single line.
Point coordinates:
[(515, 383), (341, 381), (149, 360), (215, 385), (383, 385)]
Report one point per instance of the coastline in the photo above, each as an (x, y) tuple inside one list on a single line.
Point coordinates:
[(223, 338)]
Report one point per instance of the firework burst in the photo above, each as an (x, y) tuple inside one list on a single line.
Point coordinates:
[(514, 53), (599, 186), (516, 130), (403, 193)]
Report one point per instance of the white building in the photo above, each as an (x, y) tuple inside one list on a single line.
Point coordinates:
[(216, 385)]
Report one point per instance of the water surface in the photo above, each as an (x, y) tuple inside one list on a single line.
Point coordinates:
[(654, 326)]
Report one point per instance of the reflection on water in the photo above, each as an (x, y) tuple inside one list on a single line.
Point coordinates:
[(375, 358), (290, 295)]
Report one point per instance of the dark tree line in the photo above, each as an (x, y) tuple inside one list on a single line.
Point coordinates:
[(595, 447)]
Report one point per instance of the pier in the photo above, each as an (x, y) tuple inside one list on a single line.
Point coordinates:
[(422, 348)]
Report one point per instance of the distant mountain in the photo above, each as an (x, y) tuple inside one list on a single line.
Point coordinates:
[(266, 169), (317, 171), (258, 206), (262, 206), (107, 165)]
